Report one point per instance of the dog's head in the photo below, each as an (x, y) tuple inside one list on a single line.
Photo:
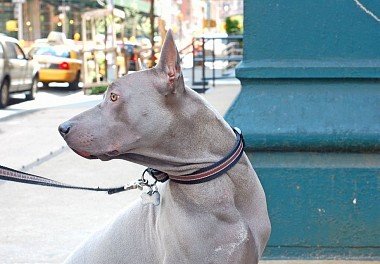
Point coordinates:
[(136, 111)]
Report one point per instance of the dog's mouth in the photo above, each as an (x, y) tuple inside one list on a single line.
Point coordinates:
[(84, 154), (113, 153), (105, 156)]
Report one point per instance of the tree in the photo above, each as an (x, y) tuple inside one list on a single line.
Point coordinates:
[(233, 26)]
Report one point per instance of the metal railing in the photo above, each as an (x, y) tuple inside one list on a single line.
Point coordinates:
[(232, 53)]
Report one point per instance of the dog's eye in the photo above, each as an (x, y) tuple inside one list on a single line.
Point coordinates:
[(114, 97)]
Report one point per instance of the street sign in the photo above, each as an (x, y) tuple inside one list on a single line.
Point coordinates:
[(209, 23), (11, 25), (64, 8)]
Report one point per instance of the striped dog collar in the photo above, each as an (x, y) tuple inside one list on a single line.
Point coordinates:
[(208, 173)]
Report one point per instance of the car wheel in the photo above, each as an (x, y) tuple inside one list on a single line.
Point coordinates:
[(31, 95), (74, 84), (45, 85), (4, 94)]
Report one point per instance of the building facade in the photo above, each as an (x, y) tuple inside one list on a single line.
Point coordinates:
[(186, 17), (39, 17)]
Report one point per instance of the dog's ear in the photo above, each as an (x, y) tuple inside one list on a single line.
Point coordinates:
[(169, 66)]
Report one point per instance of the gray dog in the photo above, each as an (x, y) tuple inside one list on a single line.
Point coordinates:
[(151, 118)]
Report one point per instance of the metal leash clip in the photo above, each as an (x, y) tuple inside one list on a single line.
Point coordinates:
[(134, 185), (152, 196)]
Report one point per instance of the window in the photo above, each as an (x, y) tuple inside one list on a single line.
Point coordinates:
[(19, 52), (14, 51), (57, 51), (10, 50), (1, 51)]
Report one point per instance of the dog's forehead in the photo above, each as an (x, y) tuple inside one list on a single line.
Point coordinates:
[(128, 81), (115, 85), (119, 84)]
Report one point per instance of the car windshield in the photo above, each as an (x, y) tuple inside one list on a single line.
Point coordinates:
[(53, 51)]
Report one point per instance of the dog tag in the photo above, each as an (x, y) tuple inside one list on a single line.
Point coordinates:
[(151, 197)]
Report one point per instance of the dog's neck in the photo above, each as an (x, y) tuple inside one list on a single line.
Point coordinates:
[(197, 139)]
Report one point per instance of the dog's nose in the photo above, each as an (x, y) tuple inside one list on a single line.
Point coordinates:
[(64, 128)]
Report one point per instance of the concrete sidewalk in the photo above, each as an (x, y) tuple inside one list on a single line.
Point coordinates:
[(43, 225)]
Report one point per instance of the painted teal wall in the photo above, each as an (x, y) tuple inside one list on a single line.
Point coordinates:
[(334, 29), (322, 205), (309, 109), (309, 114)]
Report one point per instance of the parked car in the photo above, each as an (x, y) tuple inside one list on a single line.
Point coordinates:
[(58, 63), (17, 72)]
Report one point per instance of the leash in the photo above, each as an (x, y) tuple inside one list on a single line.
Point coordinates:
[(9, 174), (203, 175)]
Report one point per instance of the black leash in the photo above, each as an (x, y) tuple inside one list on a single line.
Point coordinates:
[(9, 174)]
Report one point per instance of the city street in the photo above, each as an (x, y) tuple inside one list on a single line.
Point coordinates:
[(302, 78)]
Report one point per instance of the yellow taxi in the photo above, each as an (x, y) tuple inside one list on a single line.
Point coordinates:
[(58, 63)]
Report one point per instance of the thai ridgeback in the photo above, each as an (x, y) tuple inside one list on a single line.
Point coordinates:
[(151, 118)]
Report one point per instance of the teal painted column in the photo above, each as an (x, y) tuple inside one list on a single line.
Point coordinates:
[(309, 109)]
